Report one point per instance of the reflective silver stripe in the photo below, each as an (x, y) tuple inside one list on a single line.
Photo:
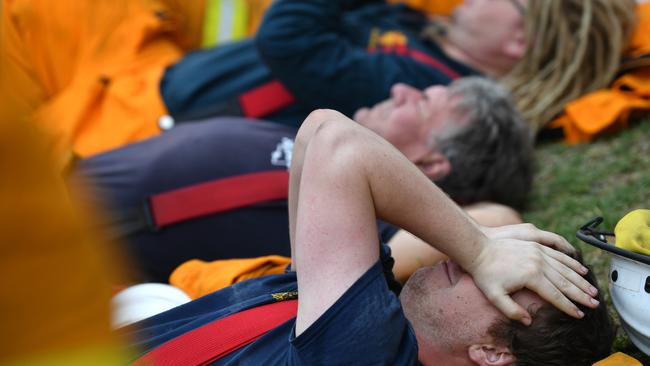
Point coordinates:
[(226, 20)]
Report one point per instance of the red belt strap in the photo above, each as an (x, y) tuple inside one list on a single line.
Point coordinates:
[(419, 56), (219, 338), (265, 99), (217, 196), (273, 96), (428, 60)]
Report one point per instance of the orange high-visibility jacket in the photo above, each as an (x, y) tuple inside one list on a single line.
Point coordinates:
[(94, 66), (609, 109)]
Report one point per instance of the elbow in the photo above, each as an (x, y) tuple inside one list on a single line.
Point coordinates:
[(320, 116), (324, 123), (317, 119)]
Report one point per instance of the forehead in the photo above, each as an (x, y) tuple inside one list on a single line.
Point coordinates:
[(494, 11), (528, 299)]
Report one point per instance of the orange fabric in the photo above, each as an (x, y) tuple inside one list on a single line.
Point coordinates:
[(437, 7), (190, 15), (198, 278), (256, 9), (618, 359), (640, 42), (608, 110), (93, 66)]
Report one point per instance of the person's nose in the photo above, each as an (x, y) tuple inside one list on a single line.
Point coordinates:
[(402, 93)]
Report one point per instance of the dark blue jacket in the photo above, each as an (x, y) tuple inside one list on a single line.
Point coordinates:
[(327, 53)]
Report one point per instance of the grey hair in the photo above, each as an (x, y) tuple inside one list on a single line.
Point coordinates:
[(491, 152)]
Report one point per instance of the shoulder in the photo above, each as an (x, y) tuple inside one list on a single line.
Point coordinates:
[(365, 326)]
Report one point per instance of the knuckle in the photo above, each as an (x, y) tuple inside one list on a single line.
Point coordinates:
[(533, 271), (564, 284), (537, 261), (529, 226)]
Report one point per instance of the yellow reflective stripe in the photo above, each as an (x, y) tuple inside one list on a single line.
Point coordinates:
[(225, 20), (210, 23), (240, 26)]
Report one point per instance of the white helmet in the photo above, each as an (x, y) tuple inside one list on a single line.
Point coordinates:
[(144, 300), (629, 284)]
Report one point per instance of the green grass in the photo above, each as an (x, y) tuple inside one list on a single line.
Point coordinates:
[(608, 178)]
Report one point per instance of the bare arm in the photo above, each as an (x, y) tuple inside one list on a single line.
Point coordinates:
[(411, 253), (344, 177)]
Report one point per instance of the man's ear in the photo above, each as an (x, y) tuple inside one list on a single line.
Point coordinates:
[(434, 165), (490, 355)]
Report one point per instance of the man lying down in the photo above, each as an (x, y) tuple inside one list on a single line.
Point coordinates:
[(506, 298)]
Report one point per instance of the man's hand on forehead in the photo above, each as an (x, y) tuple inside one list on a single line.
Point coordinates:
[(522, 256), (528, 232)]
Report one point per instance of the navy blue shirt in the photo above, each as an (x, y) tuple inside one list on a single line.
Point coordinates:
[(365, 326)]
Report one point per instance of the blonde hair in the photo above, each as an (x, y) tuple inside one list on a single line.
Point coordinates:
[(575, 47)]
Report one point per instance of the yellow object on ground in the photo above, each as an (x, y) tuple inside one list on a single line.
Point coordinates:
[(197, 278), (633, 232), (618, 359), (608, 110)]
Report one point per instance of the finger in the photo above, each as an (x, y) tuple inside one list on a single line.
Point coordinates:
[(564, 281), (547, 290), (554, 240), (509, 307), (566, 260), (529, 232)]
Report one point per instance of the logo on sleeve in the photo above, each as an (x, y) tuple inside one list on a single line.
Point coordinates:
[(386, 40), (283, 152)]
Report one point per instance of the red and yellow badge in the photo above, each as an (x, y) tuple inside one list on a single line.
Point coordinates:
[(393, 39), (386, 39)]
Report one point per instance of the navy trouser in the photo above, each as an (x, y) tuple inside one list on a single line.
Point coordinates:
[(193, 153)]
